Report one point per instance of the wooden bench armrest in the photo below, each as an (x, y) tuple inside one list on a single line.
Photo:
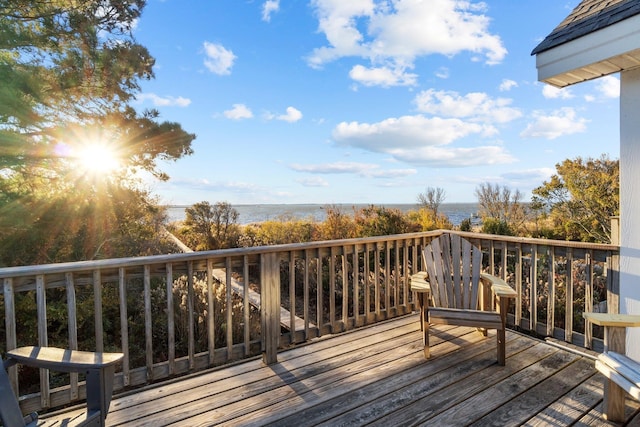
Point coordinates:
[(419, 283), (499, 287), (616, 320), (62, 360)]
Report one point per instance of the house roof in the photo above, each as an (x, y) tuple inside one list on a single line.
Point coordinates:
[(573, 52), (587, 17)]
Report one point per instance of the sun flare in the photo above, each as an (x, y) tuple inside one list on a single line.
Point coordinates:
[(97, 158)]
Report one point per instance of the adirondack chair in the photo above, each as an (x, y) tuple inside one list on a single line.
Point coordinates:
[(622, 373), (454, 291), (99, 369)]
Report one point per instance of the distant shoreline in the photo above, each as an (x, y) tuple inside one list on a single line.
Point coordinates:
[(256, 213)]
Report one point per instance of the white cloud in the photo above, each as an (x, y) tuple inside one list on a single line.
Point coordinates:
[(366, 170), (608, 86), (206, 185), (292, 115), (507, 85), (442, 73), (218, 59), (559, 123), (421, 140), (551, 92), (399, 32), (477, 106), (238, 112), (313, 182), (382, 76), (268, 8), (527, 176), (166, 101)]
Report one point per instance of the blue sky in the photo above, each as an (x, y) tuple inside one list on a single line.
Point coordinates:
[(364, 101)]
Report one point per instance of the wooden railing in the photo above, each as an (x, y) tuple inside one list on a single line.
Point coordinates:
[(176, 314)]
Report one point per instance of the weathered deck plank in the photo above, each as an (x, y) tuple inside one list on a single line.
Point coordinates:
[(378, 376), (368, 402)]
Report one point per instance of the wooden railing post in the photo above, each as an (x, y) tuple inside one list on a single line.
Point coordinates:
[(270, 306)]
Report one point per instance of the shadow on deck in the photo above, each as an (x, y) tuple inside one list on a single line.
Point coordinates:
[(378, 376)]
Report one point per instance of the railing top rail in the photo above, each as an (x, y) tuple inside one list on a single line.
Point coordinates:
[(540, 242), (114, 263)]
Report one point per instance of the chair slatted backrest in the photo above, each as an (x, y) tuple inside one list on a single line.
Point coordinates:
[(10, 413), (453, 266)]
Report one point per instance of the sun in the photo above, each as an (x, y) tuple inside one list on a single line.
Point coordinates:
[(97, 158)]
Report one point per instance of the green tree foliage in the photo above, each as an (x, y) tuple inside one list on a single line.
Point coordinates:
[(580, 199), (466, 225), (496, 226), (68, 71), (209, 226), (380, 221)]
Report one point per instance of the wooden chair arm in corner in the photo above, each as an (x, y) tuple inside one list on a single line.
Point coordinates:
[(499, 287), (99, 368), (613, 320), (62, 360), (614, 365), (419, 283)]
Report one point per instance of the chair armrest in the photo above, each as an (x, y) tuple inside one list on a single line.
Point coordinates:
[(499, 287), (419, 283), (615, 320), (62, 360)]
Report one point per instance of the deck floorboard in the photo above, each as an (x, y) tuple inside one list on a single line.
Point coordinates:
[(377, 375)]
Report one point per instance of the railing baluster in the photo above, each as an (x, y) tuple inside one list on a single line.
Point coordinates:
[(73, 330), (292, 296), (551, 300), (191, 346), (10, 327), (97, 304), (518, 284), (319, 294), (356, 285), (588, 298), (503, 268), (332, 291), (229, 296), (41, 301), (345, 290), (211, 327), (533, 314), (405, 274), (376, 278), (367, 286), (148, 330), (387, 281), (492, 258), (568, 322), (171, 325), (124, 324), (247, 307), (305, 308)]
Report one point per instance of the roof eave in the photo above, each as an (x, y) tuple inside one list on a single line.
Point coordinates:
[(609, 50)]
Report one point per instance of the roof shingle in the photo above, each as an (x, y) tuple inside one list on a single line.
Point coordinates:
[(587, 17)]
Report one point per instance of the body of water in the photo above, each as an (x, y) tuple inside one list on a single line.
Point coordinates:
[(456, 212)]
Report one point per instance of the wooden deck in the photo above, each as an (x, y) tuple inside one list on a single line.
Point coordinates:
[(378, 376)]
